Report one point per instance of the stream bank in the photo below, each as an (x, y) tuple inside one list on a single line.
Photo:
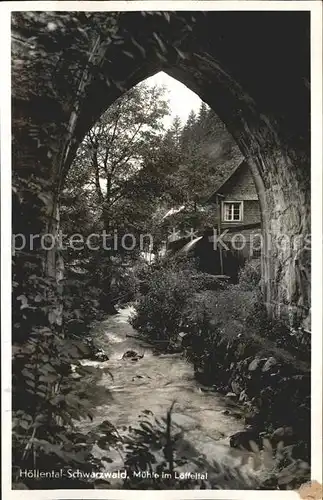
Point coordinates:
[(154, 382)]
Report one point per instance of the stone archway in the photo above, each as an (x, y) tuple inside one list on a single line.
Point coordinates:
[(240, 63)]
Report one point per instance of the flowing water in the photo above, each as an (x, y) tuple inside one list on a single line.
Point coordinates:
[(154, 382)]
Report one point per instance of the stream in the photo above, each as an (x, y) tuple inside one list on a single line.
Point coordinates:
[(154, 382)]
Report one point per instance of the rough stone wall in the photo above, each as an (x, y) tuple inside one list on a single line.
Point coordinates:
[(258, 86)]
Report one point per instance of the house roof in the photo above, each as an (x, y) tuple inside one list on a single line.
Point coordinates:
[(228, 177), (221, 186)]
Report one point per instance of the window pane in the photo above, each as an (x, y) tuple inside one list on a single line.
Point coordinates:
[(227, 211), (236, 211), (232, 211)]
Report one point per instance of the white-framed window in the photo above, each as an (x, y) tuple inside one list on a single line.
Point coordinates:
[(232, 211)]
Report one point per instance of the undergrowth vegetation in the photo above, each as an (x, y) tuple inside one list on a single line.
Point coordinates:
[(262, 365), (152, 458), (167, 288), (228, 338)]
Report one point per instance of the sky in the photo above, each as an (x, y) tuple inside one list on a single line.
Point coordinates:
[(181, 99)]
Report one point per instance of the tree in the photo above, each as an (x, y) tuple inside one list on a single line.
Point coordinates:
[(114, 149), (204, 113), (114, 180), (188, 130), (207, 152)]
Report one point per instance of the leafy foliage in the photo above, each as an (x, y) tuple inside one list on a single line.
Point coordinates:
[(114, 151), (167, 288), (153, 457), (159, 313), (234, 347), (152, 448), (204, 152)]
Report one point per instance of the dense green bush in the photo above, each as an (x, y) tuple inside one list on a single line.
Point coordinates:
[(167, 289), (81, 304), (125, 286), (236, 348), (154, 447), (250, 275), (159, 312), (233, 345)]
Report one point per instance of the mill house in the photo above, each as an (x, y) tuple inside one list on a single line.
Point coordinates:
[(236, 218), (238, 212)]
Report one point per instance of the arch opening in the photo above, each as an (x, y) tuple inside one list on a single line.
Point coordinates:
[(174, 139), (269, 123)]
